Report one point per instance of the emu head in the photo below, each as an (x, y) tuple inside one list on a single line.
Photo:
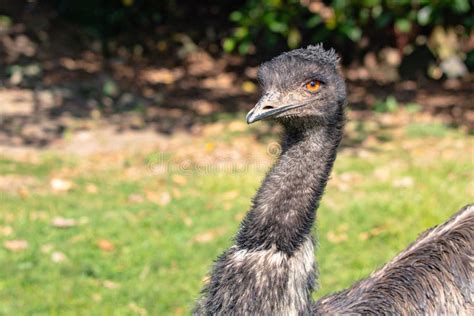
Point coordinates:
[(300, 85)]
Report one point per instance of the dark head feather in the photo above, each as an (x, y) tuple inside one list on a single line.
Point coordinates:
[(315, 53)]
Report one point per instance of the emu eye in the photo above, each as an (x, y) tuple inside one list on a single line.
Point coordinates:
[(313, 85)]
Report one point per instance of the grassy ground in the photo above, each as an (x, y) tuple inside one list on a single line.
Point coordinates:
[(137, 236)]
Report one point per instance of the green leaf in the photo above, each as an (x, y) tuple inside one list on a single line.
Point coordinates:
[(110, 88), (364, 15), (228, 44), (241, 32), (244, 48), (413, 107), (321, 35), (376, 11), (403, 25), (351, 31), (5, 21), (392, 104), (354, 33), (370, 3), (294, 38), (278, 27), (313, 21), (236, 16), (461, 6), (383, 19), (424, 15), (389, 105)]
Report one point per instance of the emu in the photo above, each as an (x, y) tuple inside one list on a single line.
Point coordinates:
[(270, 269)]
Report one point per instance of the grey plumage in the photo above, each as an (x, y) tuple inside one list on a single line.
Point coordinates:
[(270, 269), (433, 276)]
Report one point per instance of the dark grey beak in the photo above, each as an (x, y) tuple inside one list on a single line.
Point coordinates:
[(257, 114), (266, 108)]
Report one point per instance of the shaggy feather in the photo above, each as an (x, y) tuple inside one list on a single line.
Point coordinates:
[(433, 276), (270, 269)]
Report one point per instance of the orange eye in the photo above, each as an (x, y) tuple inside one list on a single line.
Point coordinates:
[(313, 85)]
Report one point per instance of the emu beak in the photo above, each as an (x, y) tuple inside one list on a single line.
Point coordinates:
[(268, 107), (265, 108)]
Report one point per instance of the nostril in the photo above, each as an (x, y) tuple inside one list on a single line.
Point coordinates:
[(267, 107)]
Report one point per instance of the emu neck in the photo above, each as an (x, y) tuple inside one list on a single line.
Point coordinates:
[(284, 209)]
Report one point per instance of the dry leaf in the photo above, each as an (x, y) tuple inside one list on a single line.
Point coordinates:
[(176, 193), (110, 285), (382, 173), (105, 245), (209, 235), (187, 221), (60, 185), (161, 75), (38, 215), (178, 311), (209, 147), (213, 129), (204, 237), (23, 193), (135, 198), (377, 230), (159, 169), (239, 217), (364, 236), (15, 245), (373, 232), (249, 87), (162, 198), (91, 188), (227, 206), (46, 248), (343, 228), (178, 179), (61, 222), (371, 141), (350, 177), (335, 238), (230, 195), (137, 309), (404, 182), (58, 257), (77, 238), (237, 126), (6, 230), (365, 154), (16, 183), (202, 107), (96, 297), (344, 181)]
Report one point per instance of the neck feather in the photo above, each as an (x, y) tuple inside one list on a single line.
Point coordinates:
[(284, 208)]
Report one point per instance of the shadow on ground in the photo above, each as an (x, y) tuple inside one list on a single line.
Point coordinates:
[(52, 87)]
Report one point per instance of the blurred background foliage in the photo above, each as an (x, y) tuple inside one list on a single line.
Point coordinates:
[(353, 27), (440, 31), (88, 58)]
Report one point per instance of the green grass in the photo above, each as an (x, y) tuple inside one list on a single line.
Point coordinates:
[(426, 130), (161, 253)]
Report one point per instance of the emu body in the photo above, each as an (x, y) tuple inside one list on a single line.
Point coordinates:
[(270, 269), (433, 276)]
